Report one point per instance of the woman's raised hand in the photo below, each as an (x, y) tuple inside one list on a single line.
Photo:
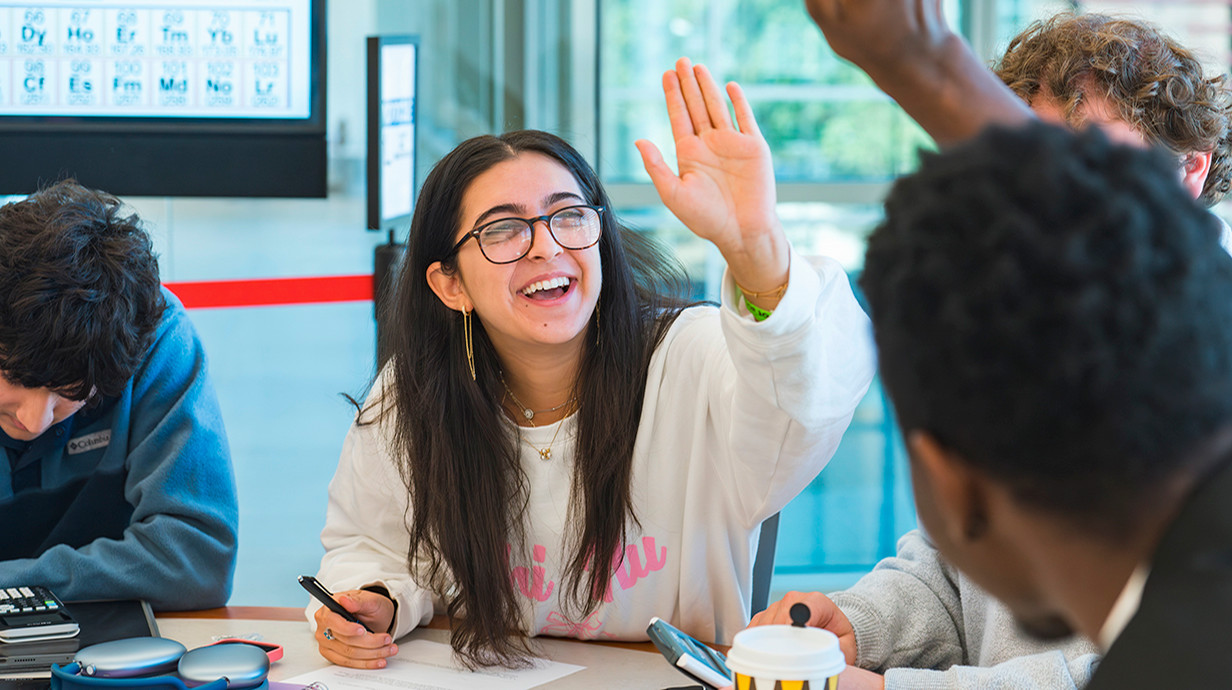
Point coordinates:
[(724, 191)]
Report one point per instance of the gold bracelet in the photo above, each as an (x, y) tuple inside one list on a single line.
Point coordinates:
[(776, 293)]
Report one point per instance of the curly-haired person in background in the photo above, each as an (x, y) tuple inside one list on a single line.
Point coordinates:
[(1137, 84), (116, 481), (915, 617)]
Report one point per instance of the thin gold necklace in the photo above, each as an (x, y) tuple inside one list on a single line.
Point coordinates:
[(528, 413), (545, 453)]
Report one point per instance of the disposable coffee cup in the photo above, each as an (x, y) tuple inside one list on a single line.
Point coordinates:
[(785, 657)]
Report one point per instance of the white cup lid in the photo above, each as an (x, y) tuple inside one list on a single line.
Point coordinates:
[(786, 652)]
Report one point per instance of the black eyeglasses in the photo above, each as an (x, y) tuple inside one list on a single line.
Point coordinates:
[(509, 239)]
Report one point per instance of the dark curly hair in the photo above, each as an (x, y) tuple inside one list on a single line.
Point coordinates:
[(1055, 309), (79, 292), (1157, 86)]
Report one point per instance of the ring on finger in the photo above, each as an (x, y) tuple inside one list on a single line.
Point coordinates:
[(328, 634)]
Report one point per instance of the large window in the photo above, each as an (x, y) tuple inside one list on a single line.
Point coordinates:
[(824, 119), (838, 142)]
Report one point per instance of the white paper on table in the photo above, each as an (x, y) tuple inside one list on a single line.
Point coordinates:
[(424, 665)]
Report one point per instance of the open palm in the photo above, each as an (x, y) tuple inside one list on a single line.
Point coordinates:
[(724, 191)]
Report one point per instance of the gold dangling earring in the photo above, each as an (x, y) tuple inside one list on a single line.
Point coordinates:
[(598, 334), (466, 334)]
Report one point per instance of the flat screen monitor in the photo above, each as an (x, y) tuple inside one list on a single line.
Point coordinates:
[(392, 62), (164, 97)]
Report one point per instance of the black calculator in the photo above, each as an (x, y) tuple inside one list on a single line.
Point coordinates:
[(32, 613)]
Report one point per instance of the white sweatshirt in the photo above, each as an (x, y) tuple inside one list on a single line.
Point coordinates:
[(738, 417)]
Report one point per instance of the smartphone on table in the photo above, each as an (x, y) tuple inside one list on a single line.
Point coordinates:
[(326, 597), (690, 657)]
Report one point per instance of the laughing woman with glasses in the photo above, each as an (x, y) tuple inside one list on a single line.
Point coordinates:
[(560, 444)]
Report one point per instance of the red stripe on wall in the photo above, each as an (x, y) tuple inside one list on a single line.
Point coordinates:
[(273, 291)]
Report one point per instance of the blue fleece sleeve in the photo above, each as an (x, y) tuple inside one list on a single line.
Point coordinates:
[(178, 551)]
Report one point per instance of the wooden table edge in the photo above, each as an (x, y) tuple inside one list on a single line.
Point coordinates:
[(261, 613)]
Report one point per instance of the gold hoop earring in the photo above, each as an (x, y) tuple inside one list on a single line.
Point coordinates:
[(466, 334)]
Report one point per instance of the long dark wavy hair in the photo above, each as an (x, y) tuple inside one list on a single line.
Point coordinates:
[(468, 494)]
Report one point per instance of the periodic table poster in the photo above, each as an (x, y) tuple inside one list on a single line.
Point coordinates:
[(156, 58)]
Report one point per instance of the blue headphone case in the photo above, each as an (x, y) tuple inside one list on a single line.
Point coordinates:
[(138, 662)]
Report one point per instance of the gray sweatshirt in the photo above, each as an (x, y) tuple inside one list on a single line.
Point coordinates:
[(926, 626)]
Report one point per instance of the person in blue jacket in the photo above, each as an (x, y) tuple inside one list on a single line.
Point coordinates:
[(116, 479)]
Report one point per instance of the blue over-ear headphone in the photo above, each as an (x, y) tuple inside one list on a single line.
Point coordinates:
[(146, 662)]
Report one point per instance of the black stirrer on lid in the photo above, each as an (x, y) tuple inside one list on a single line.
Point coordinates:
[(800, 615)]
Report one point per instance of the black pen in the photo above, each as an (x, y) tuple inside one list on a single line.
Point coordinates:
[(316, 589)]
